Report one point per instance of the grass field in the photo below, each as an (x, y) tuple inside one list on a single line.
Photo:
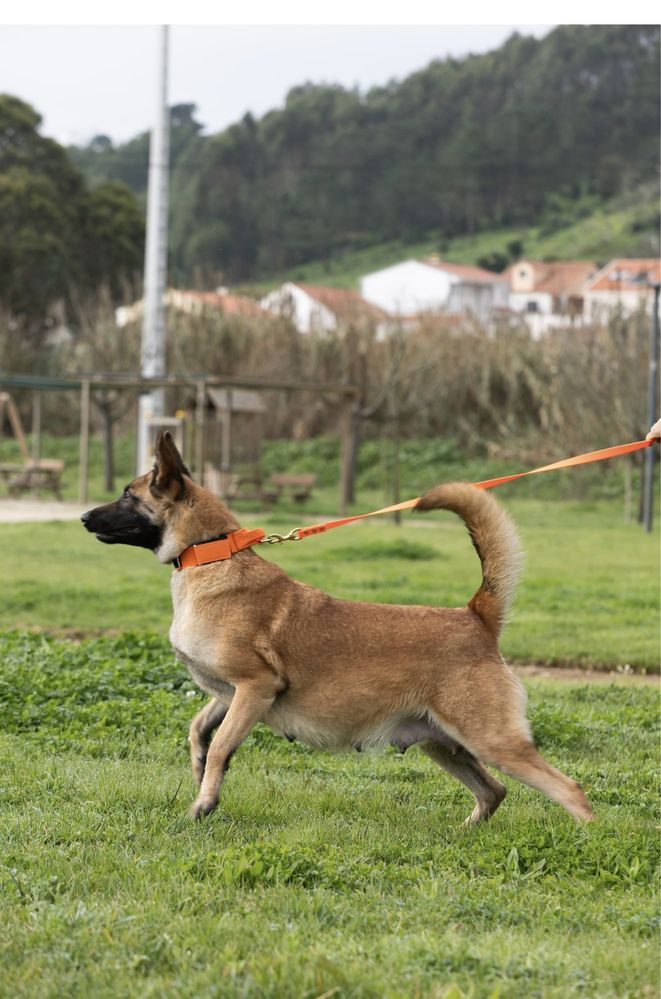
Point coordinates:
[(320, 875), (349, 876)]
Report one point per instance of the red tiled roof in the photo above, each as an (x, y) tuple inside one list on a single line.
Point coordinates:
[(231, 305), (465, 271), (343, 302), (624, 274), (559, 277)]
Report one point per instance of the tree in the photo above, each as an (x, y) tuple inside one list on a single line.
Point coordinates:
[(113, 238), (38, 255), (54, 235), (40, 209), (100, 345)]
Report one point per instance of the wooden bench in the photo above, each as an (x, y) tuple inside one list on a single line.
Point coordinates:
[(297, 487), (249, 486), (233, 485), (243, 486), (34, 475)]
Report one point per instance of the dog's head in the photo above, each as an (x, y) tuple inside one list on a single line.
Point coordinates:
[(164, 510)]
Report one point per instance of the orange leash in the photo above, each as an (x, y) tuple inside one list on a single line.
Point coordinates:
[(580, 459), (223, 548)]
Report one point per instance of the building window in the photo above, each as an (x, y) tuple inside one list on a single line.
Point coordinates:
[(532, 306)]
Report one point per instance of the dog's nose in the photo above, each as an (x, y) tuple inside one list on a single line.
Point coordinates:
[(85, 517)]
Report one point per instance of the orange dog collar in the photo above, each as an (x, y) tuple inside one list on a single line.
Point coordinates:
[(218, 550)]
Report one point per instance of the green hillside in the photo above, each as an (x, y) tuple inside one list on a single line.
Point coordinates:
[(463, 157), (624, 227)]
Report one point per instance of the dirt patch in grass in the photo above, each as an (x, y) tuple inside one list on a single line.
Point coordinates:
[(30, 510), (605, 674)]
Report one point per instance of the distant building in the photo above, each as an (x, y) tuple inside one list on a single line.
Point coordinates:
[(622, 284), (323, 309), (414, 288), (549, 287), (222, 300), (548, 293), (194, 302)]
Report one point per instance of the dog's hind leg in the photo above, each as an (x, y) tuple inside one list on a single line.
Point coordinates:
[(458, 762), (520, 758), (199, 734), (489, 720), (251, 702)]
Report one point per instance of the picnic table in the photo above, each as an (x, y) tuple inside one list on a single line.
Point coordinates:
[(250, 486), (33, 475), (295, 486)]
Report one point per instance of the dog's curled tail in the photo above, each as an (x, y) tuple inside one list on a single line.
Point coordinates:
[(496, 541)]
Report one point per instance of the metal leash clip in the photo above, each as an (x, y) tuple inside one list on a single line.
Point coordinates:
[(277, 539)]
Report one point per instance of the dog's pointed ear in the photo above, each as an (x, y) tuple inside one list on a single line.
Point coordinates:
[(169, 467)]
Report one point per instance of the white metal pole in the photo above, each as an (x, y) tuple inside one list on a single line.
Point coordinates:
[(152, 362)]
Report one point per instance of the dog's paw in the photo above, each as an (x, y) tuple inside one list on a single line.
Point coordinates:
[(202, 807), (476, 816), (487, 804)]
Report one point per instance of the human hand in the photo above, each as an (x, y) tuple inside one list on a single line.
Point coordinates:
[(654, 433)]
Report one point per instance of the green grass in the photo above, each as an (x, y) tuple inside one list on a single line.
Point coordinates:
[(319, 875), (589, 594)]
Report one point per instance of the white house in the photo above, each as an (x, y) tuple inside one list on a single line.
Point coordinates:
[(415, 287), (622, 284), (323, 309)]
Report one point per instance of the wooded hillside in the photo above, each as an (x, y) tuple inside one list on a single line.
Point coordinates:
[(463, 145)]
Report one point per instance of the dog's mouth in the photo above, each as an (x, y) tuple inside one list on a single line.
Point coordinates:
[(111, 539), (138, 531), (141, 535)]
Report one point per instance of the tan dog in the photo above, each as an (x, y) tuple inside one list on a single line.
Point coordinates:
[(335, 673)]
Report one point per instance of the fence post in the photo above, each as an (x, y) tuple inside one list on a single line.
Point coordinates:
[(346, 457), (652, 415), (200, 404), (36, 435), (84, 440)]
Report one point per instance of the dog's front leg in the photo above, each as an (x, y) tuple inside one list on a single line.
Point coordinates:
[(199, 734), (250, 704)]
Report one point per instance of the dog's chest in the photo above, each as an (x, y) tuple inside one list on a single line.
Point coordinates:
[(206, 675), (197, 645)]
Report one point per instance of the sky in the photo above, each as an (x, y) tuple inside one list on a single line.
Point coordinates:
[(90, 79)]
